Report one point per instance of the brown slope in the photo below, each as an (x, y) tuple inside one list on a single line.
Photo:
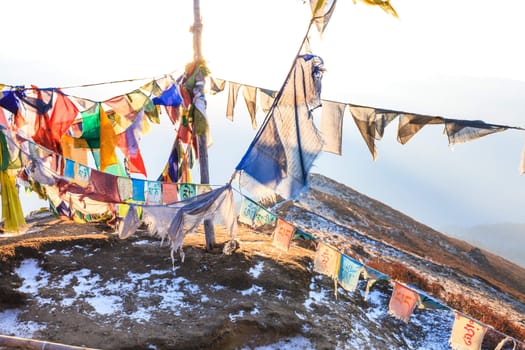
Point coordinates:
[(377, 220)]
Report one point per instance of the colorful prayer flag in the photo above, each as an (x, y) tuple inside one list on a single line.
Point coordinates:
[(153, 192), (187, 191), (403, 302), (327, 260), (282, 235), (248, 211), (349, 272), (69, 169), (170, 192), (466, 334), (264, 217), (138, 190), (82, 174)]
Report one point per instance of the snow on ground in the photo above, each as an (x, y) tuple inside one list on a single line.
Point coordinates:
[(11, 325), (106, 298)]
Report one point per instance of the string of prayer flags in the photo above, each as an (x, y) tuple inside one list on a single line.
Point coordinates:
[(332, 126), (466, 334), (349, 272), (403, 302), (465, 130), (326, 260), (282, 235)]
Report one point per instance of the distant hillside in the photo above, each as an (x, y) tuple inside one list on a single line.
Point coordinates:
[(506, 239), (392, 236)]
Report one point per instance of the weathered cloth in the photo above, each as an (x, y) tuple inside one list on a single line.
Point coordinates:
[(403, 302), (102, 187), (349, 272), (409, 125), (248, 211), (282, 153), (466, 334), (371, 123), (459, 131), (233, 92), (125, 188), (130, 224), (153, 192), (250, 97), (326, 260), (322, 12), (282, 235), (332, 126)]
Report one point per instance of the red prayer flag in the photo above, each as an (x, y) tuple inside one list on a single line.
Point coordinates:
[(63, 115)]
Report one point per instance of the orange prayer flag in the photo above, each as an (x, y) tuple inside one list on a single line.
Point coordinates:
[(282, 236), (403, 302), (108, 141)]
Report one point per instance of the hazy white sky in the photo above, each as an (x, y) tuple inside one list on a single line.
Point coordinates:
[(460, 59)]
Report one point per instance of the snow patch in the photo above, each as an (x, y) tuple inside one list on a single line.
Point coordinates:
[(11, 325), (257, 269), (287, 344)]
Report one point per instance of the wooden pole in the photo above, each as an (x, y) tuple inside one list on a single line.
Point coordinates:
[(202, 140), (32, 344)]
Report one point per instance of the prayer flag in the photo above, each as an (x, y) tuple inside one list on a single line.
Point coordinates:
[(69, 169), (459, 131), (170, 97), (327, 260), (125, 188), (322, 12), (138, 190), (63, 115), (282, 235), (466, 334), (233, 92), (349, 272), (263, 217), (332, 126), (250, 97), (187, 191), (153, 192), (283, 151), (409, 125), (403, 302), (248, 211), (170, 192), (216, 85), (82, 174), (108, 142)]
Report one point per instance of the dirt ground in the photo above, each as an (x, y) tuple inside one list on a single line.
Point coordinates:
[(231, 315)]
